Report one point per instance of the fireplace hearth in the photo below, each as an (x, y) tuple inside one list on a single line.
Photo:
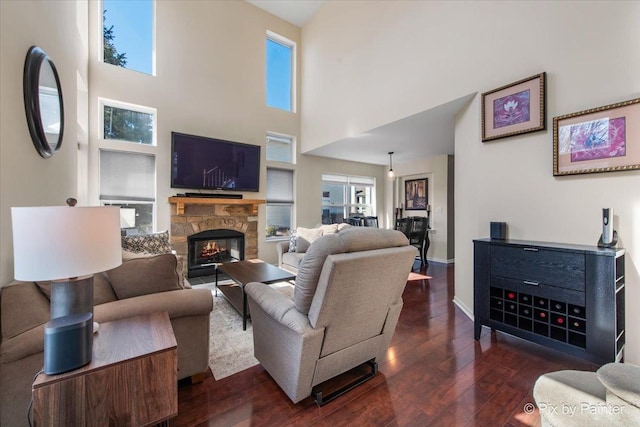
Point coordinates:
[(210, 247)]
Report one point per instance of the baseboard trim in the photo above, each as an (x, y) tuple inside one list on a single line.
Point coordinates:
[(463, 307), (442, 261)]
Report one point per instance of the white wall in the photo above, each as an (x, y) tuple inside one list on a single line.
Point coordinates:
[(26, 179), (210, 81), (369, 63)]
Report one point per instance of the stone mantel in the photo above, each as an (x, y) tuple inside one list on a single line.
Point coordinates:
[(180, 202)]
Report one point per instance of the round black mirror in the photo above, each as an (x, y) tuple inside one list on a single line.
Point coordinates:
[(43, 102)]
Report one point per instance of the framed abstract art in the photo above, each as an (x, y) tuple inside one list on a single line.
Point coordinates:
[(415, 194), (603, 139), (514, 109)]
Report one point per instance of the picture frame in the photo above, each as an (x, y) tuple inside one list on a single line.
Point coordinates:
[(416, 194), (515, 109), (602, 139)]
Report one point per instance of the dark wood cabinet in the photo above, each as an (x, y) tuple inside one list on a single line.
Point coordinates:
[(566, 297)]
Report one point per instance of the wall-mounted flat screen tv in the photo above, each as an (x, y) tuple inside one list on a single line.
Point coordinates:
[(213, 164)]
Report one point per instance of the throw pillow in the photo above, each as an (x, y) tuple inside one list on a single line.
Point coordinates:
[(155, 243), (127, 255), (306, 236), (343, 226), (143, 276), (292, 241), (329, 228)]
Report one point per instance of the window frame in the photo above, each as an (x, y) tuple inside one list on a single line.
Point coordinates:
[(281, 137), (290, 204), (349, 183), (104, 102), (120, 199), (277, 38), (154, 27)]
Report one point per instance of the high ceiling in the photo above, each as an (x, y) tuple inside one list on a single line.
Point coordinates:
[(424, 134), (427, 133), (297, 12)]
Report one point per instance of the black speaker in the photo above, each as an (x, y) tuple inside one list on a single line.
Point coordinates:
[(498, 230), (68, 342)]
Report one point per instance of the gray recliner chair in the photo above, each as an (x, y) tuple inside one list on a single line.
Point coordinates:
[(608, 397), (346, 304)]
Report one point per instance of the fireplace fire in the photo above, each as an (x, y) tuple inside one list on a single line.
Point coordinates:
[(208, 248), (211, 250)]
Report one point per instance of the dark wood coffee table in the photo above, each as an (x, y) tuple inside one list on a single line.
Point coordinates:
[(243, 272)]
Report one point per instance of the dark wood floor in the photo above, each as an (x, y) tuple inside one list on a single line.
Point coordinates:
[(435, 374)]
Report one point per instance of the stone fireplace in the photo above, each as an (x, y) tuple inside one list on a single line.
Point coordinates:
[(193, 215), (209, 247)]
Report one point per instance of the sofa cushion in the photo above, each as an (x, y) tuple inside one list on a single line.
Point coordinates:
[(143, 276), (127, 255), (311, 234), (155, 243), (14, 299), (306, 236), (292, 259), (102, 291)]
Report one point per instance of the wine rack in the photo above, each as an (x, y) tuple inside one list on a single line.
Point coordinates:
[(567, 297), (548, 318)]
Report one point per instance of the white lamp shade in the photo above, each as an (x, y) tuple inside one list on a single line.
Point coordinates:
[(60, 242)]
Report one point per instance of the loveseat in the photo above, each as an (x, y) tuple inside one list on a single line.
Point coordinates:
[(138, 286), (291, 252)]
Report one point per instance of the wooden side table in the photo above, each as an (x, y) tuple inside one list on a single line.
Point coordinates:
[(132, 379)]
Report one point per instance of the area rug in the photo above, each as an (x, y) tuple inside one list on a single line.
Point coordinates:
[(231, 348)]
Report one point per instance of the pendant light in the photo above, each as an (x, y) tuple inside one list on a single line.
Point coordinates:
[(391, 174)]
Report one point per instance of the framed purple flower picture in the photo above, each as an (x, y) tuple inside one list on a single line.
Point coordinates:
[(603, 139), (514, 109)]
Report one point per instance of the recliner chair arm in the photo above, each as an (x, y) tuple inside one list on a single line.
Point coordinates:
[(277, 306)]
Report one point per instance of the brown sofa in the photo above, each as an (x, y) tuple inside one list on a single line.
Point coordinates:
[(138, 286)]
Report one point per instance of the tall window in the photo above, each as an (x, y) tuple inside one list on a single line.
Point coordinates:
[(128, 164), (280, 148), (344, 196), (280, 71), (279, 202), (127, 122), (128, 34), (128, 180)]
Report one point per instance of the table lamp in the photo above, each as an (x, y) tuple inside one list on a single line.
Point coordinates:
[(67, 246)]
